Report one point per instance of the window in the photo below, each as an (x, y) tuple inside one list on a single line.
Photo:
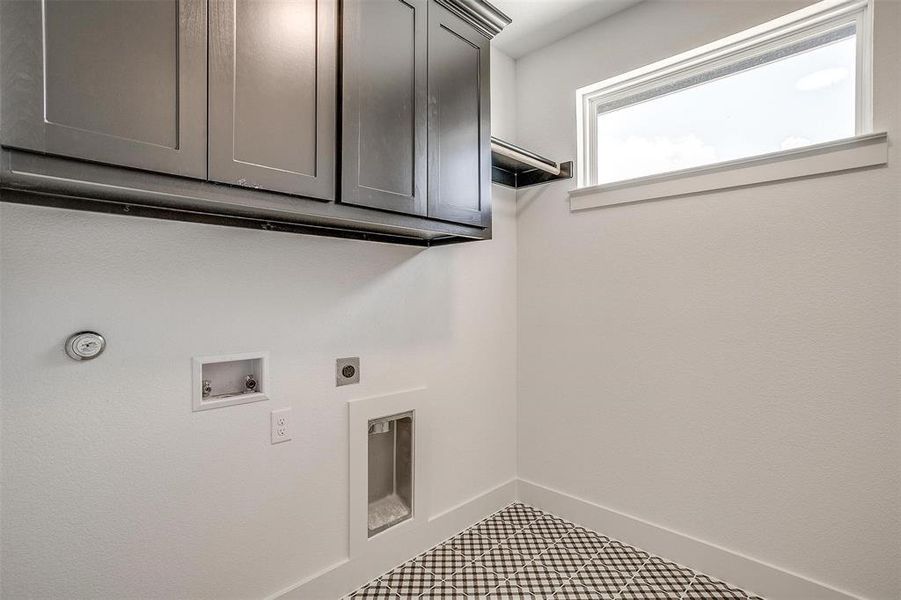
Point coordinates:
[(801, 80)]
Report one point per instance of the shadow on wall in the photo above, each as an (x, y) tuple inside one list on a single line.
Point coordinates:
[(525, 198), (154, 285)]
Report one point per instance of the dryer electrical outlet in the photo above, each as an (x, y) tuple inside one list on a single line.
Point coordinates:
[(347, 371)]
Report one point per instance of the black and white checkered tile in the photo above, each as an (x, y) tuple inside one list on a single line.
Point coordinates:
[(522, 553)]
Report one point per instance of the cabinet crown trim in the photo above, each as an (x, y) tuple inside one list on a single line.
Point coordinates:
[(480, 14)]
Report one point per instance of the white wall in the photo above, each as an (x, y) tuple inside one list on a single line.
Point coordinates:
[(724, 365), (113, 488)]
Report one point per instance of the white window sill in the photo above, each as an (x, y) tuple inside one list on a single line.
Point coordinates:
[(840, 155)]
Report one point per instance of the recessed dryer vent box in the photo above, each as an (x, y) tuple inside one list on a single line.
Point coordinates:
[(229, 380), (387, 470), (390, 478)]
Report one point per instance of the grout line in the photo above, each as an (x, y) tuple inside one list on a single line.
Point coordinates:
[(690, 583), (505, 578), (473, 561), (631, 578), (536, 559)]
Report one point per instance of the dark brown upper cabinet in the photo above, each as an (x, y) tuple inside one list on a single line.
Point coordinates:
[(122, 83), (385, 104), (459, 120), (273, 69), (229, 112), (415, 121)]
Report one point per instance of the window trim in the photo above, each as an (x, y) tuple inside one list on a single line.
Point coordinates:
[(795, 27), (858, 152)]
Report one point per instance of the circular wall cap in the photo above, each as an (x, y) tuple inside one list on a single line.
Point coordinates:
[(85, 345)]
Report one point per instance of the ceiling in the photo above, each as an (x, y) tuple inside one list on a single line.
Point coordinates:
[(537, 23)]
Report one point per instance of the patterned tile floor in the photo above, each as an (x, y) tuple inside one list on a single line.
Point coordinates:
[(521, 552)]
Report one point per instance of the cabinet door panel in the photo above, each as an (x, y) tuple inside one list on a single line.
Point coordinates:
[(459, 126), (117, 82), (385, 104), (272, 95)]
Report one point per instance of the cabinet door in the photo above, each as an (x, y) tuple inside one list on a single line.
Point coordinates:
[(459, 120), (273, 71), (385, 104), (110, 81)]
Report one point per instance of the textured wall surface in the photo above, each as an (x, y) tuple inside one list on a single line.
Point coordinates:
[(724, 365), (113, 488)]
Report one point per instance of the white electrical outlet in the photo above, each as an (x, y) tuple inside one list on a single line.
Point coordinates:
[(280, 422)]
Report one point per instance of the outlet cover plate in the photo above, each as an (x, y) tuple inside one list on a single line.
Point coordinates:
[(280, 425), (347, 371)]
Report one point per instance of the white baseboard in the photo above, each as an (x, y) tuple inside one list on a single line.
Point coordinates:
[(347, 575), (747, 573)]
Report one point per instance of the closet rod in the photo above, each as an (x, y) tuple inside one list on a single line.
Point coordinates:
[(524, 156)]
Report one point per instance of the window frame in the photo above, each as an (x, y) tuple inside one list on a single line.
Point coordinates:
[(809, 22)]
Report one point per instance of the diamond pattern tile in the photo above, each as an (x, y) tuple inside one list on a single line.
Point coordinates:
[(665, 575), (522, 553), (585, 542), (705, 588), (605, 580), (445, 591), (503, 561), (641, 591), (496, 528), (410, 580), (442, 561), (475, 580), (520, 514), (519, 507), (471, 545), (550, 528), (526, 544), (574, 591), (562, 559), (622, 558), (508, 591), (538, 579), (376, 590)]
